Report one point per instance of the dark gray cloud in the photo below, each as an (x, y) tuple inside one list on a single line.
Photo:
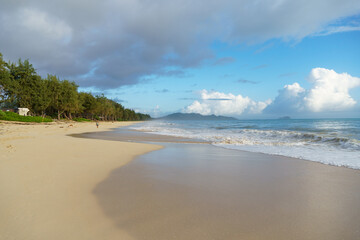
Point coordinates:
[(112, 43)]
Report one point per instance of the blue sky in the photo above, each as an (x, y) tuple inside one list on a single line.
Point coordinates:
[(249, 59), (258, 71)]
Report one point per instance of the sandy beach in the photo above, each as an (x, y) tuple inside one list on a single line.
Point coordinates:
[(199, 191), (55, 186), (180, 120), (47, 180)]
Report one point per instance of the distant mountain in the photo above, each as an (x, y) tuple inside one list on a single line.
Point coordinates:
[(196, 116)]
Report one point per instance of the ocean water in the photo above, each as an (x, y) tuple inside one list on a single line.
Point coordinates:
[(329, 141)]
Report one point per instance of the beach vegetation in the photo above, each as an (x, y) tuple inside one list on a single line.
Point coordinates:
[(81, 119), (11, 116), (22, 87)]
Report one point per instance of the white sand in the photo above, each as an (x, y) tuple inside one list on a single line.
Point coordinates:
[(47, 179)]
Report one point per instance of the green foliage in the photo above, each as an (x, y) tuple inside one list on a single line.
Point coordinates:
[(7, 87), (11, 116), (81, 119), (21, 86), (43, 97)]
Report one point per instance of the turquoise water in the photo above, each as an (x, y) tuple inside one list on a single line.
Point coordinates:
[(329, 141)]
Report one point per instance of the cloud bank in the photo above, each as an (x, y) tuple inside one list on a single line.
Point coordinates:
[(329, 93), (225, 104), (112, 43)]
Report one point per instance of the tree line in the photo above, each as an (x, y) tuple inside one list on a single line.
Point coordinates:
[(22, 87)]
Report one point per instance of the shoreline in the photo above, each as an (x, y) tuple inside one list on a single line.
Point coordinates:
[(153, 138), (201, 191), (47, 180), (53, 186)]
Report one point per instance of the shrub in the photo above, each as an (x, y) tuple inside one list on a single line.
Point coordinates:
[(11, 116)]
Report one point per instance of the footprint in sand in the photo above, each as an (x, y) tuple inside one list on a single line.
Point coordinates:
[(10, 147)]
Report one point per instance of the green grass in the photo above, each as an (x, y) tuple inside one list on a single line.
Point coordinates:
[(10, 116), (81, 120)]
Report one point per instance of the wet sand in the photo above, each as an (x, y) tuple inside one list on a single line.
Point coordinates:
[(128, 135), (198, 191)]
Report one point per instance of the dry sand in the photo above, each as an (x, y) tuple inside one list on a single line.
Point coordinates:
[(47, 179)]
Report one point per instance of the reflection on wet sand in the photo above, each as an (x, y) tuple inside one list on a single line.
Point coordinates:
[(127, 135), (198, 191)]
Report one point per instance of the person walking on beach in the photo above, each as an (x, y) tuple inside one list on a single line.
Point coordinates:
[(97, 124)]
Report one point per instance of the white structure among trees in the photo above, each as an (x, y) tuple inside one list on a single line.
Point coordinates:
[(23, 111)]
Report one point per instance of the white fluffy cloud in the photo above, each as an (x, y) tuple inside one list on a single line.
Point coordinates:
[(329, 93), (225, 104), (289, 100), (293, 90)]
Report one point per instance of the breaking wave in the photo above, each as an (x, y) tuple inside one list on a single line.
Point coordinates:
[(333, 145)]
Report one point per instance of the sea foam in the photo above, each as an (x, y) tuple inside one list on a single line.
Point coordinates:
[(334, 142)]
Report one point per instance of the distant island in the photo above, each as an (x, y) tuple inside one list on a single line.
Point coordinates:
[(196, 116)]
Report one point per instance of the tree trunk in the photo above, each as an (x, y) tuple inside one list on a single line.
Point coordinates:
[(66, 115)]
